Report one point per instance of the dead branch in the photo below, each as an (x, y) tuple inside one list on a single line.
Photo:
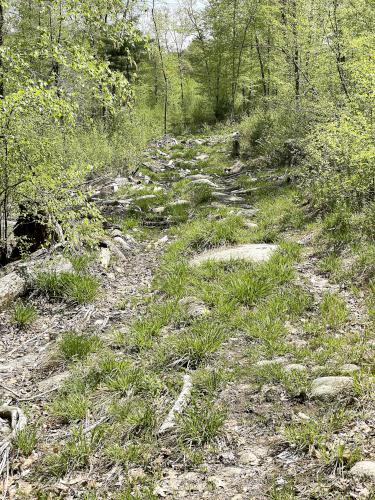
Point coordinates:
[(179, 405)]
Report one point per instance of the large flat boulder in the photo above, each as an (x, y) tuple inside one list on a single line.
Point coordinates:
[(250, 252)]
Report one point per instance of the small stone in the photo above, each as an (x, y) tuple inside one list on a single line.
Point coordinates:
[(250, 225), (122, 244), (247, 457), (178, 203), (194, 307), (105, 257), (364, 468), (349, 369), (295, 367), (204, 182), (137, 474), (162, 240), (158, 210), (201, 157), (250, 252), (329, 387)]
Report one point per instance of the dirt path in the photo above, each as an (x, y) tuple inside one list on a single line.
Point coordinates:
[(278, 440)]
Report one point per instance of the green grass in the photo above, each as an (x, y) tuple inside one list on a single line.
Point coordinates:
[(200, 194), (201, 423), (73, 346), (192, 347), (72, 287), (70, 407), (26, 440), (74, 455), (334, 311), (24, 314)]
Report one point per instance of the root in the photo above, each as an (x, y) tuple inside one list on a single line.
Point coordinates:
[(17, 421)]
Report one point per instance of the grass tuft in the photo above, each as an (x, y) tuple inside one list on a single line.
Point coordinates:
[(73, 346), (23, 314), (76, 288)]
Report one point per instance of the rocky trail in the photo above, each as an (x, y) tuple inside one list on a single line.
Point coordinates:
[(200, 277)]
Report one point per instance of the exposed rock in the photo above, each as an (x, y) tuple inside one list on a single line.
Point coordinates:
[(349, 369), (108, 190), (205, 182), (196, 177), (295, 367), (202, 157), (178, 203), (250, 252), (364, 468), (227, 198), (162, 240), (12, 286), (247, 457), (104, 257), (158, 210), (236, 168), (54, 381), (329, 387), (58, 265), (250, 225), (122, 244), (194, 307), (145, 197)]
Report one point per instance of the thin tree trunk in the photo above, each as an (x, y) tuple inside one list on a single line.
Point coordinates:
[(1, 46), (261, 65), (162, 67), (340, 58)]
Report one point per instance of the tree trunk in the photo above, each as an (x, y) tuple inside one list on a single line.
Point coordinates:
[(261, 65), (163, 69), (1, 46)]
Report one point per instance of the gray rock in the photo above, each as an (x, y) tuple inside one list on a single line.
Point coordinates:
[(179, 203), (202, 157), (349, 369), (204, 182), (158, 210), (145, 197), (54, 381), (247, 457), (12, 286), (226, 198), (329, 387), (195, 308), (104, 257), (295, 367), (364, 468), (122, 244), (195, 177), (251, 252)]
